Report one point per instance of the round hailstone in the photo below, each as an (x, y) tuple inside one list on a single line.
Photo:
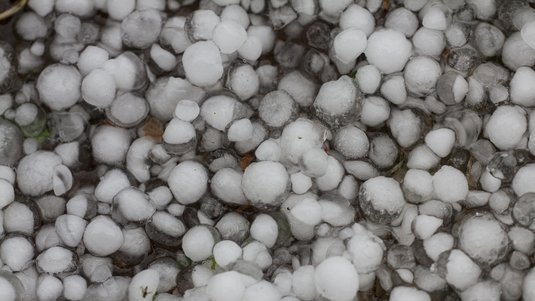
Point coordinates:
[(461, 272), (483, 239), (243, 81), (429, 42), (521, 92), (336, 279), (59, 96), (301, 183), (506, 126), (226, 252), (262, 291), (528, 285), (424, 226), (375, 111), (7, 290), (187, 110), (16, 252), (227, 286), (229, 36), (299, 137), (303, 283), (276, 108), (110, 144), (202, 63), (141, 28), (188, 181), (450, 184), (98, 88), (421, 75), (48, 288), (265, 229), (388, 50), (56, 260), (7, 193), (440, 141), (434, 18), (366, 251), (197, 243), (35, 172), (369, 78), (134, 205), (110, 184), (336, 101), (264, 183), (381, 199), (349, 44), (417, 185), (218, 111), (528, 33), (307, 211), (102, 236), (437, 244), (74, 287), (393, 89), (178, 132), (404, 293), (358, 17), (240, 130), (226, 185), (70, 229), (251, 49), (128, 110), (351, 142), (144, 285), (92, 57), (523, 180)]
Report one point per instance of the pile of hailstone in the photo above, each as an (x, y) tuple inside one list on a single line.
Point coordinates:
[(266, 150)]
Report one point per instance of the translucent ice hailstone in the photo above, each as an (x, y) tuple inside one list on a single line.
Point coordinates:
[(98, 88), (336, 279), (36, 171), (229, 36), (349, 44), (264, 183), (59, 96), (188, 181), (388, 50), (202, 63), (506, 126), (450, 184)]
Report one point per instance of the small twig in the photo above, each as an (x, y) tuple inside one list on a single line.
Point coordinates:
[(13, 9)]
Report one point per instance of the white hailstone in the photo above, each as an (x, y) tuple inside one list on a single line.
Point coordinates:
[(197, 243), (265, 229), (283, 281), (263, 183), (102, 236), (381, 199), (269, 150), (26, 113), (7, 193), (18, 217), (332, 176), (528, 33), (69, 153), (528, 285), (388, 50), (261, 291), (188, 181), (136, 158), (402, 20), (422, 157), (375, 111), (308, 211), (424, 226), (200, 275), (59, 96), (236, 13), (74, 287), (56, 260), (351, 142), (368, 78), (91, 58), (178, 132), (357, 17), (521, 94), (506, 126), (522, 239), (229, 36), (523, 180), (258, 253), (314, 162), (349, 187), (366, 252), (429, 42), (16, 252), (49, 288), (301, 183), (110, 144), (299, 137), (440, 141), (141, 28), (202, 63), (461, 271), (336, 279), (70, 229), (187, 110), (226, 252), (226, 185), (337, 212), (483, 239), (62, 180), (134, 205), (80, 8), (393, 89), (218, 111), (405, 293), (300, 88), (276, 108), (483, 9), (421, 75), (226, 286), (450, 184), (120, 9), (251, 49), (349, 44), (438, 243), (203, 23), (244, 81), (136, 243), (144, 285), (489, 290), (8, 291), (240, 130), (41, 7), (336, 98), (8, 174), (265, 34), (163, 58), (259, 134), (35, 172), (31, 26), (303, 283), (417, 185), (405, 126), (110, 184), (128, 110), (434, 18)]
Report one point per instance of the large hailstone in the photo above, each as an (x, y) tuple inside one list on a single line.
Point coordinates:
[(336, 279), (59, 86), (202, 63), (188, 181), (388, 50), (381, 199), (36, 172), (264, 183)]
